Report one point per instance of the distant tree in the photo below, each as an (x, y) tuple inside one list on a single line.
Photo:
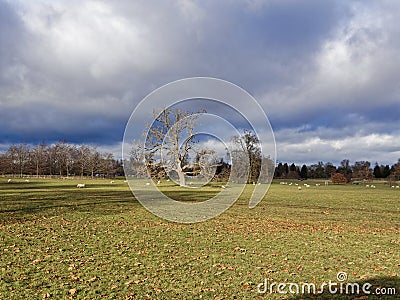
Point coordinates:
[(304, 172), (330, 169), (377, 171), (386, 171), (279, 170), (285, 170), (320, 170), (5, 164), (293, 173), (362, 170), (107, 166), (93, 162), (395, 172), (19, 158), (339, 178), (250, 145), (38, 158), (223, 171), (345, 169), (83, 156)]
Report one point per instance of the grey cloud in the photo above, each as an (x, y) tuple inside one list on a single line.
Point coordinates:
[(76, 69)]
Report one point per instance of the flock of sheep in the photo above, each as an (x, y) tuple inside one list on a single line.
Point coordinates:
[(327, 183), (306, 185)]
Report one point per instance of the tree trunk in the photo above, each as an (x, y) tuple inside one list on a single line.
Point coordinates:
[(182, 179)]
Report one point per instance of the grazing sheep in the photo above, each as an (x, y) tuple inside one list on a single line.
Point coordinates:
[(397, 187), (317, 184), (290, 183), (259, 183), (299, 188), (9, 180), (158, 182), (307, 185), (392, 186), (224, 187), (80, 185), (147, 183), (296, 184), (112, 181), (367, 186), (373, 186), (27, 180)]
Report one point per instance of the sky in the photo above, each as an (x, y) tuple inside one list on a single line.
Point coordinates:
[(326, 73)]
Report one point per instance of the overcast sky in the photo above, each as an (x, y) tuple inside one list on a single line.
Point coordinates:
[(327, 73)]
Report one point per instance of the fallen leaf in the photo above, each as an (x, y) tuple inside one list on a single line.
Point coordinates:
[(72, 291)]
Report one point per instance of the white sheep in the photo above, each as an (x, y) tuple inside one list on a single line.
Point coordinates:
[(9, 180), (397, 187), (224, 187), (158, 182), (392, 186), (27, 180), (147, 183), (299, 188), (112, 181), (367, 186), (80, 185)]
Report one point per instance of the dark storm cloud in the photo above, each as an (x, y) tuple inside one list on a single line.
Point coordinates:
[(324, 71)]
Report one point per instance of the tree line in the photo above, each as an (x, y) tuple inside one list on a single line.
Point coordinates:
[(65, 159), (360, 170), (59, 159)]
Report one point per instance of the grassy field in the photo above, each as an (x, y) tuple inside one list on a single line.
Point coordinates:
[(60, 242)]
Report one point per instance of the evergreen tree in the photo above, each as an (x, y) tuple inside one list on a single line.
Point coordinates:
[(304, 172), (377, 171)]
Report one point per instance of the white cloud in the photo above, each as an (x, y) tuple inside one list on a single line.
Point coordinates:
[(309, 147)]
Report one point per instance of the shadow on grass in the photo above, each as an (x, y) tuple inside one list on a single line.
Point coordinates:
[(371, 288), (21, 186), (18, 206)]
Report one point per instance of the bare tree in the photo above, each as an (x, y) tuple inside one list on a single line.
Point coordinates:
[(19, 158), (83, 156), (249, 144), (5, 164), (106, 165), (169, 140), (38, 156), (93, 161), (136, 160)]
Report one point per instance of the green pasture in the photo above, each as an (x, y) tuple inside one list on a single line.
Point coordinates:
[(98, 242)]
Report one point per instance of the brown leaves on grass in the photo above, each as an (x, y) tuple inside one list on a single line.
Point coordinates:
[(72, 291)]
